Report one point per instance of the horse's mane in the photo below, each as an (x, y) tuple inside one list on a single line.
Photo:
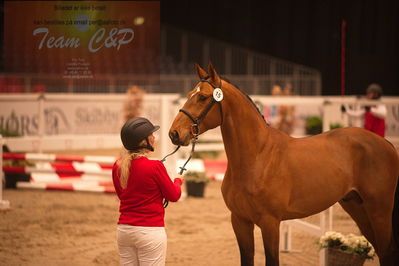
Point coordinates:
[(247, 96)]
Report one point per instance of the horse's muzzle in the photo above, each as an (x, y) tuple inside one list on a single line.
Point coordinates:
[(174, 137), (179, 139)]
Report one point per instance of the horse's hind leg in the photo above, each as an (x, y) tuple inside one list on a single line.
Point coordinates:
[(354, 208), (380, 216), (374, 221), (244, 231)]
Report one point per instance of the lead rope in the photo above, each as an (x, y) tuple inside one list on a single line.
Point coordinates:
[(173, 152), (166, 202), (182, 168)]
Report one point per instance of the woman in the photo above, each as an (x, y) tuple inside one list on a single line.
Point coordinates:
[(374, 116), (141, 185)]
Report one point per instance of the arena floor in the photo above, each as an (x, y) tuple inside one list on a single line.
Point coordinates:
[(73, 228)]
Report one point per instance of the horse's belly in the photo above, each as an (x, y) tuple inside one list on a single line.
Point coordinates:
[(304, 203), (251, 205)]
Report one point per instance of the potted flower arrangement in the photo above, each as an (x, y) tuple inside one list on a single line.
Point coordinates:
[(313, 125), (195, 183), (346, 250), (335, 125)]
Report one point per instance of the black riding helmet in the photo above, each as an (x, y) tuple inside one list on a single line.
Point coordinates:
[(134, 131), (376, 89)]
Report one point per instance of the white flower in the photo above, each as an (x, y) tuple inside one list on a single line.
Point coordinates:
[(363, 241), (325, 240), (371, 252), (351, 243), (346, 242), (333, 235)]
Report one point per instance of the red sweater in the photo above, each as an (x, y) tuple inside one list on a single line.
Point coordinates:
[(374, 124), (141, 200)]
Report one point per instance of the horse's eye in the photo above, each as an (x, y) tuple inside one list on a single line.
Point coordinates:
[(202, 98)]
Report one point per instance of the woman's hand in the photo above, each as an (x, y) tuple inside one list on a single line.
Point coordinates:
[(181, 177)]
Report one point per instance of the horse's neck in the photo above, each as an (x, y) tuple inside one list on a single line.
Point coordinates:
[(245, 133)]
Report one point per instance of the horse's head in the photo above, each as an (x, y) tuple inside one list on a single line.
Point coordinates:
[(202, 110)]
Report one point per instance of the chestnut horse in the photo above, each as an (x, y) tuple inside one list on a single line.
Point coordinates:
[(273, 177)]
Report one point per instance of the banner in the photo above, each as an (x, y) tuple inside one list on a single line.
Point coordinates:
[(72, 114), (82, 39)]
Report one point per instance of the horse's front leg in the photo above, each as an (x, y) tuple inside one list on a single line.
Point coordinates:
[(244, 231), (270, 228)]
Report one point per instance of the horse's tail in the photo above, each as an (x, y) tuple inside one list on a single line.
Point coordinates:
[(395, 216)]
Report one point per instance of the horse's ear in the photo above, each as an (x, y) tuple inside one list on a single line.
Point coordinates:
[(213, 74), (201, 72)]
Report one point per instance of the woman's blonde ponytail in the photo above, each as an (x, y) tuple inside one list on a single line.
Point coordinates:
[(124, 168), (125, 162)]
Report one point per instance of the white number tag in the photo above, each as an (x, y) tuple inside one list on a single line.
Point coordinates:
[(218, 94)]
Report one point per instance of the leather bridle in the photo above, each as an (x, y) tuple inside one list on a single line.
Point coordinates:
[(197, 120)]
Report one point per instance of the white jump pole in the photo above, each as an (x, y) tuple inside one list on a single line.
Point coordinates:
[(4, 204), (41, 99), (326, 218), (326, 224)]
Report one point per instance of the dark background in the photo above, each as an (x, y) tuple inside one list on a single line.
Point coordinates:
[(306, 32)]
